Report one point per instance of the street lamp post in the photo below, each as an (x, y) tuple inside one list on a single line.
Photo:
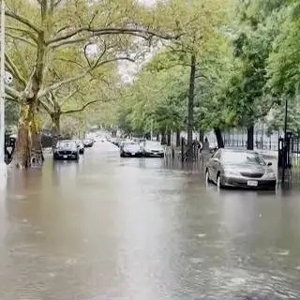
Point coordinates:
[(3, 167)]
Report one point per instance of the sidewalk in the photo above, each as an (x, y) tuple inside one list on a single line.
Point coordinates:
[(268, 153)]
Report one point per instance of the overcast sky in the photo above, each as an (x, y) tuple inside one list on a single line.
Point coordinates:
[(129, 70)]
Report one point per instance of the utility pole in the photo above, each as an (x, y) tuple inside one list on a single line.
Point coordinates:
[(3, 167)]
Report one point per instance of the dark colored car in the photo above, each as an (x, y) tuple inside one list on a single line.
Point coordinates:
[(128, 149), (66, 150), (88, 143), (240, 168)]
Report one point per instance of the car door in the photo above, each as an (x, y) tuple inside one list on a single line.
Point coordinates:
[(215, 165)]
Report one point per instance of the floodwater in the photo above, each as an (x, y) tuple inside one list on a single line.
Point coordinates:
[(116, 228)]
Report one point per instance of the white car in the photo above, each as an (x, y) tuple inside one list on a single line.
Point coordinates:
[(153, 149), (128, 149)]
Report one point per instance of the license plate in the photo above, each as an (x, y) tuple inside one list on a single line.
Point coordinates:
[(65, 156), (132, 153), (252, 183)]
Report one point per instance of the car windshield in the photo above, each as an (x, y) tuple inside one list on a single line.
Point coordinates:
[(242, 158), (66, 144), (130, 144), (153, 144)]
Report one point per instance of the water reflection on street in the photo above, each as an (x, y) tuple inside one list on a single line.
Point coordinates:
[(113, 228)]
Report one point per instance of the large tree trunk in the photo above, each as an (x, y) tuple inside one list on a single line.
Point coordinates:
[(250, 137), (28, 152), (163, 138), (201, 136), (169, 138), (177, 138), (55, 128), (219, 137), (191, 96)]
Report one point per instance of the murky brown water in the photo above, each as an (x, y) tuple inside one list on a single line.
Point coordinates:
[(111, 228)]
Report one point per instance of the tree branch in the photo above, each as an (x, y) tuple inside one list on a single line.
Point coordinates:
[(14, 70), (22, 60), (57, 85), (143, 33), (45, 107), (72, 111), (12, 92), (267, 110), (70, 61), (68, 97), (22, 39), (22, 30), (10, 98), (22, 20)]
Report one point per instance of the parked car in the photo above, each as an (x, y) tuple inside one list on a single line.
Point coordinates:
[(128, 149), (153, 149), (240, 168), (88, 143), (115, 141), (66, 150), (80, 146)]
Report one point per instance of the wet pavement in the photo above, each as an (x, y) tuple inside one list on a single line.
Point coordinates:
[(113, 228)]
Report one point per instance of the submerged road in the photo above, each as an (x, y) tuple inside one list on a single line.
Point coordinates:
[(134, 229)]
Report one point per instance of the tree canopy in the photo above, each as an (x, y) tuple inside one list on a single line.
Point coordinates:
[(245, 54), (247, 63)]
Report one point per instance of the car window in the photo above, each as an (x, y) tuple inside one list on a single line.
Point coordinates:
[(130, 143), (235, 157), (217, 154), (66, 144), (154, 144)]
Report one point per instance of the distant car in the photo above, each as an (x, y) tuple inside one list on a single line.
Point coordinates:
[(128, 149), (80, 146), (213, 147), (88, 143), (66, 150), (240, 168), (153, 149), (114, 141)]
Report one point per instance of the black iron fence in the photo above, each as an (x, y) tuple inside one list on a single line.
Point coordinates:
[(262, 139)]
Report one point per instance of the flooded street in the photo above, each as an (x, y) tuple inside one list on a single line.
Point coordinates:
[(132, 229)]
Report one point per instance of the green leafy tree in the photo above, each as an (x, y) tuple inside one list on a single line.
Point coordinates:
[(259, 23), (43, 33)]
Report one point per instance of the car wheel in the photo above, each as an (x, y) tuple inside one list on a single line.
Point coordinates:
[(122, 155), (207, 178), (219, 182)]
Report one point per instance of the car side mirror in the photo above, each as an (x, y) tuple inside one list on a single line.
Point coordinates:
[(269, 164)]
